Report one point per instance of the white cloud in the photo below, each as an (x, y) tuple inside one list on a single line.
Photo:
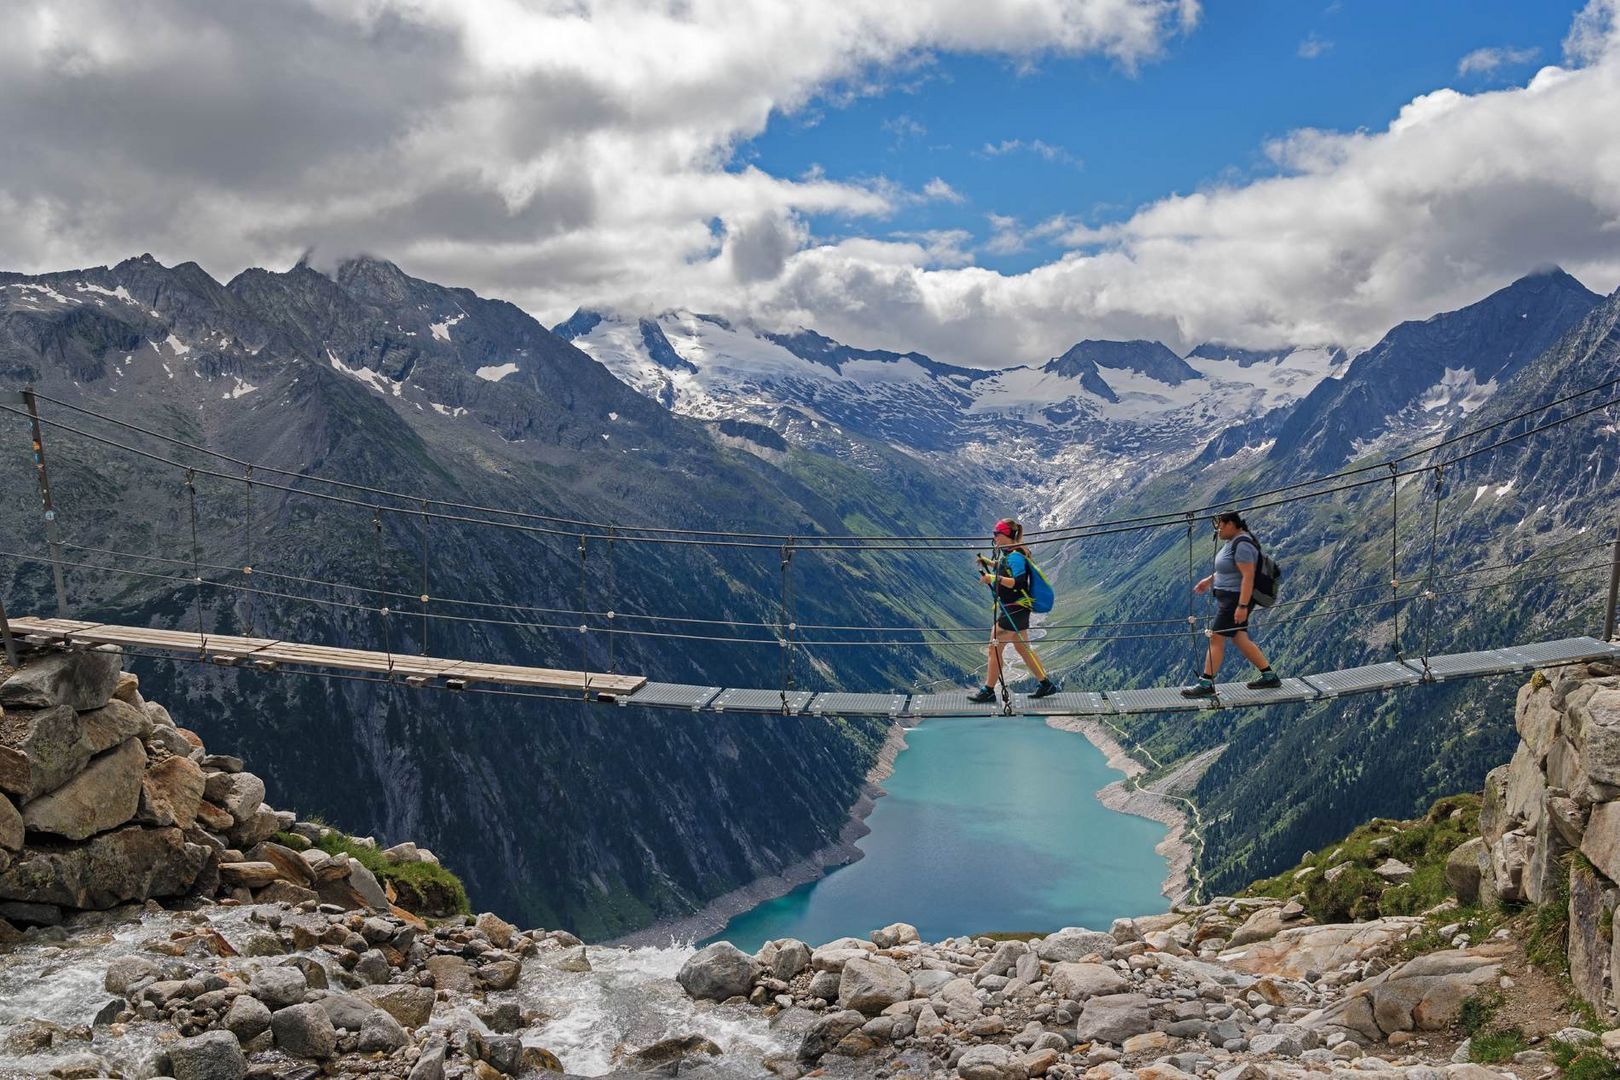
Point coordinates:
[(939, 189), (1485, 61), (1039, 147), (1457, 196), (563, 152), (551, 151), (1313, 46)]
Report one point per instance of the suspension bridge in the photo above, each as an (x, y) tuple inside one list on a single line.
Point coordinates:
[(1409, 667)]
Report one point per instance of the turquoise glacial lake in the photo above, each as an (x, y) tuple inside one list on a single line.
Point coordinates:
[(990, 824)]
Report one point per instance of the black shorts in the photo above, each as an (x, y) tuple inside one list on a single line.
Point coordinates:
[(1227, 624), (1012, 618)]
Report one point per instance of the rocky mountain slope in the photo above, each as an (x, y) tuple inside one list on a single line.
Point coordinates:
[(1517, 541), (595, 819), (1058, 435)]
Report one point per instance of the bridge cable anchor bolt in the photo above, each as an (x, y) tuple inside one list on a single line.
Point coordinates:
[(247, 570)]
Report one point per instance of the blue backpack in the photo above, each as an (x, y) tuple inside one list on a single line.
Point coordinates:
[(1040, 590)]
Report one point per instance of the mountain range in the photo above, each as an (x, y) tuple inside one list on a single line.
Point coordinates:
[(604, 821)]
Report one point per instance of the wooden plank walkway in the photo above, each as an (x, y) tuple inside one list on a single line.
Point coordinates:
[(226, 649)]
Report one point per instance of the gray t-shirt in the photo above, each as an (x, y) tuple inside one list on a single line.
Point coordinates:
[(1240, 549)]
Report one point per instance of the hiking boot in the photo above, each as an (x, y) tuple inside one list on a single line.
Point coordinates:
[(1200, 689), (1046, 689), (984, 697), (1266, 680)]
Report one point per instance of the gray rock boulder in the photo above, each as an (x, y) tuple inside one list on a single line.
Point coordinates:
[(213, 1056), (247, 1018), (131, 863), (784, 958), (104, 796), (1074, 943), (279, 987), (827, 1030), (410, 1005), (171, 791), (989, 1061), (239, 794), (304, 1031), (719, 971), (381, 1032), (11, 826), (80, 680), (364, 882), (430, 1065), (1463, 869), (40, 750), (870, 986), (1079, 981), (1595, 712), (1114, 1018)]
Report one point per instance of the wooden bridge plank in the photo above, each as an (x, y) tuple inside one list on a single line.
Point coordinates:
[(328, 656)]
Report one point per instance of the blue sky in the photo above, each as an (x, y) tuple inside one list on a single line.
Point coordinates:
[(1200, 114)]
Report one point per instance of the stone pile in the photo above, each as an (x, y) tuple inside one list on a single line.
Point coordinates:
[(1239, 989), (105, 800), (1560, 794), (295, 993)]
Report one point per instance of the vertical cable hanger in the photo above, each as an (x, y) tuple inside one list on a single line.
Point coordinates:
[(1192, 580), (196, 560), (584, 630), (788, 626), (425, 594), (1394, 553), (1429, 592), (382, 563), (613, 598), (247, 540)]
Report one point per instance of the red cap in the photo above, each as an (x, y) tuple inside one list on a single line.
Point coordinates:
[(1005, 526)]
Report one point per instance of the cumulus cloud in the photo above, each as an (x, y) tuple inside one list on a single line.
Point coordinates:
[(551, 151), (563, 152), (1487, 60)]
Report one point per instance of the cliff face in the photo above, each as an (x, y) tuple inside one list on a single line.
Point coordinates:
[(1550, 821), (105, 800)]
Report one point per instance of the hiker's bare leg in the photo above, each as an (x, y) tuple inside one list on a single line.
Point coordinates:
[(1250, 650), (1217, 652), (1031, 661)]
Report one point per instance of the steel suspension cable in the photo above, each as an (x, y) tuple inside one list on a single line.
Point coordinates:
[(196, 551), (1044, 536)]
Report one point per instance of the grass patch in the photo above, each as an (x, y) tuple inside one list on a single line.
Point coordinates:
[(1478, 1011), (1356, 892), (1546, 938), (292, 840), (1474, 923), (1493, 1047), (422, 887), (1582, 1062)]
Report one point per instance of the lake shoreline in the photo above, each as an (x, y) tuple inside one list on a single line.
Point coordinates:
[(714, 916), (1176, 849)]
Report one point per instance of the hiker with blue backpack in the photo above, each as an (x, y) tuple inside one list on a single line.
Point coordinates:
[(1243, 575), (1020, 590)]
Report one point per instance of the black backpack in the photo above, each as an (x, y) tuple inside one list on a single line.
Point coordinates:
[(1267, 575)]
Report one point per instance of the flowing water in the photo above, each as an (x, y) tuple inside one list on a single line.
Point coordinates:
[(628, 1000), (990, 824)]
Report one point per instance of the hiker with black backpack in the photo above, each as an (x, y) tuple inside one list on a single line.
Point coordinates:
[(1014, 581), (1235, 581)]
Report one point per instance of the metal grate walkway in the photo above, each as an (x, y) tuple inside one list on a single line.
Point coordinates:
[(636, 690)]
